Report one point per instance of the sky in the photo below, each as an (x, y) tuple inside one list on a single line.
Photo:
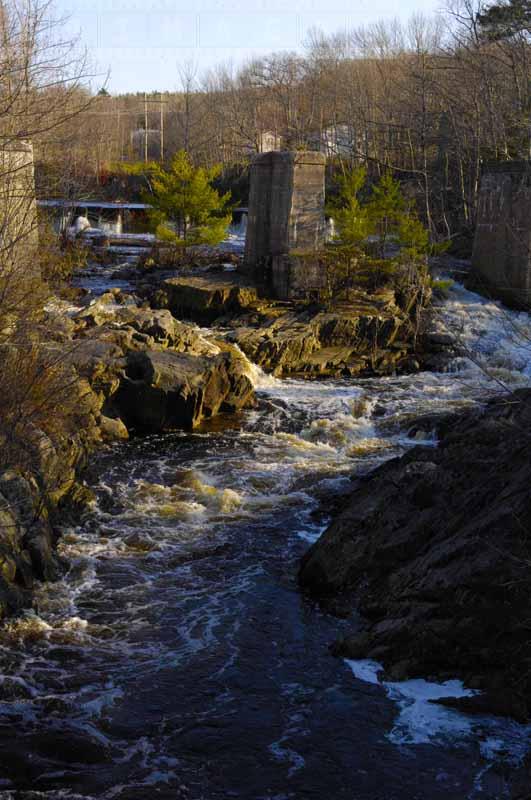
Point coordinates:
[(142, 42)]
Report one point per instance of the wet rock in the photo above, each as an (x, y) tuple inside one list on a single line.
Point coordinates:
[(281, 348), (113, 430), (39, 544), (101, 362), (433, 549), (357, 339), (372, 333), (441, 339), (167, 389), (502, 703)]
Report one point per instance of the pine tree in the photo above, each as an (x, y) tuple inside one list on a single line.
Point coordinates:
[(386, 216), (350, 217), (385, 210), (504, 19), (186, 208)]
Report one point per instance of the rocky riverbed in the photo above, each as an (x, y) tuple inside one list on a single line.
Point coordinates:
[(175, 656), (370, 332)]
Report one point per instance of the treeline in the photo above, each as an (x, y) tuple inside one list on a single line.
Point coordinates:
[(432, 100)]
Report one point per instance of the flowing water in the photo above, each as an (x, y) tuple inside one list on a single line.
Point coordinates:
[(177, 658)]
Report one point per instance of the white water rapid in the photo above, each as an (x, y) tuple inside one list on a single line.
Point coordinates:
[(177, 658)]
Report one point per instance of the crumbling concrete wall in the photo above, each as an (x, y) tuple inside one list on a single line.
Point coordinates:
[(501, 261), (18, 207), (286, 214)]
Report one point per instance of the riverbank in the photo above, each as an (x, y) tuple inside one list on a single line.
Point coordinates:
[(432, 550), (110, 367)]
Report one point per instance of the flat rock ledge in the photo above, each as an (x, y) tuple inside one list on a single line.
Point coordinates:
[(205, 298), (371, 334), (433, 550)]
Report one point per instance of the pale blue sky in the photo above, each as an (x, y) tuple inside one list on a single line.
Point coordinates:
[(142, 43)]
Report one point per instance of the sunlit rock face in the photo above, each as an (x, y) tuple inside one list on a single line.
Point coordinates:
[(501, 263)]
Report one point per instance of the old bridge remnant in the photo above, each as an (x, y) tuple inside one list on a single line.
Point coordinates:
[(18, 207), (286, 222), (501, 261)]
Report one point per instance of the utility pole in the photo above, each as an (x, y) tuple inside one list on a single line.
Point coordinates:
[(161, 129), (119, 127), (145, 128)]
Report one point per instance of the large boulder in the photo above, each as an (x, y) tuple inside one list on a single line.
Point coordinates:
[(155, 323), (165, 389), (204, 298), (433, 549), (112, 430), (281, 348), (100, 361)]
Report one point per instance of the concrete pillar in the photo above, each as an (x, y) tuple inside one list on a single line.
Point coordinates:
[(286, 211), (18, 207), (501, 260)]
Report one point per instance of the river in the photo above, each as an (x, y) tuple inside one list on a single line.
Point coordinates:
[(177, 657)]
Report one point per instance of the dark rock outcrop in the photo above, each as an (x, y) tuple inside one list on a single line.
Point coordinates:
[(155, 372), (434, 550), (372, 333), (167, 389), (34, 491)]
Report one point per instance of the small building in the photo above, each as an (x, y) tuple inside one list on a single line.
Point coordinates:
[(339, 140), (266, 142)]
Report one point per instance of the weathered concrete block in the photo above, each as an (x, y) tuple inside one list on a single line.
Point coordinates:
[(296, 276), (18, 207), (286, 208), (501, 261)]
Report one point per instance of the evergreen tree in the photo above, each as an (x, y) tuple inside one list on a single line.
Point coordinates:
[(505, 19), (186, 209), (350, 217), (393, 220), (386, 216), (385, 210), (359, 256)]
